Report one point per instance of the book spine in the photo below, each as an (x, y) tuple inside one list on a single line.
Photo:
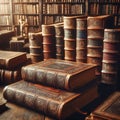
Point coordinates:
[(95, 30), (7, 77), (35, 46), (28, 99), (48, 33), (70, 38), (111, 56), (81, 40), (59, 40), (51, 78)]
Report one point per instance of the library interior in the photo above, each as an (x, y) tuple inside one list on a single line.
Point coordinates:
[(60, 60)]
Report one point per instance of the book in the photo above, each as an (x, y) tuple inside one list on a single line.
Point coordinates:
[(9, 76), (52, 102), (57, 73), (17, 112), (11, 59), (2, 100), (109, 109)]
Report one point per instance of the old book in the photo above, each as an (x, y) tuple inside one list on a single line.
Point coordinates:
[(11, 59), (9, 76), (70, 38), (59, 73), (48, 33), (2, 100), (53, 102), (17, 112), (109, 109)]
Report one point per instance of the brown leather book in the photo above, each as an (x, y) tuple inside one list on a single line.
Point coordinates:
[(53, 102), (59, 73), (17, 112), (9, 76), (109, 109), (10, 60)]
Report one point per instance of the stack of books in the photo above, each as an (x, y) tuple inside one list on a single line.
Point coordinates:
[(55, 88), (11, 63)]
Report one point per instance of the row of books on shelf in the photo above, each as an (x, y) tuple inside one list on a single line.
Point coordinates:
[(64, 1), (63, 9), (32, 20), (26, 8), (4, 8), (26, 1), (104, 1), (103, 9)]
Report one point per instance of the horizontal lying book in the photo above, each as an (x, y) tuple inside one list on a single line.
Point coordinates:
[(53, 102), (16, 112), (109, 109), (9, 76), (59, 73), (10, 60)]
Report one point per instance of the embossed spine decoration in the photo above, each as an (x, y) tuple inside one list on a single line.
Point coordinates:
[(36, 49), (59, 37), (70, 38), (9, 76), (95, 28), (48, 33), (81, 40), (50, 101), (111, 56)]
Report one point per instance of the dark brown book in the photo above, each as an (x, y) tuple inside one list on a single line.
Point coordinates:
[(17, 112), (109, 109), (10, 60), (9, 76), (53, 102), (59, 73)]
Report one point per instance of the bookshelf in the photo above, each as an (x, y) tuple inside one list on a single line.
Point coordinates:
[(26, 10), (5, 15), (110, 7), (38, 12), (54, 10)]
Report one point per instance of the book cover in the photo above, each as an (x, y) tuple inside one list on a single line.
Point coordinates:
[(53, 102), (57, 73), (11, 59), (109, 109)]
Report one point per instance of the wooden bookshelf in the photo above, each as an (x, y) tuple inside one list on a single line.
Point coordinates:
[(54, 10), (5, 15), (100, 7), (38, 12)]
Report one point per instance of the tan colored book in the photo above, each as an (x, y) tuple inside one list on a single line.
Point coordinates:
[(10, 60), (57, 73)]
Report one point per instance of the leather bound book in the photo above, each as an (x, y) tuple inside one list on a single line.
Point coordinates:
[(52, 102), (59, 73), (11, 60), (17, 112), (109, 109), (9, 76)]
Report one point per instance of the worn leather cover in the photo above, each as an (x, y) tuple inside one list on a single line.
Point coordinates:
[(109, 109), (59, 73), (53, 102), (11, 59)]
